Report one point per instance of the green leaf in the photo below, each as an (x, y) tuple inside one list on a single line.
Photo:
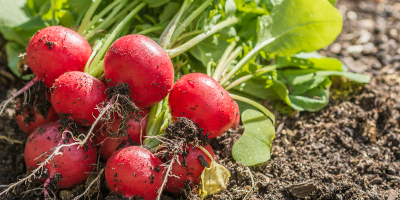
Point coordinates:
[(255, 7), (169, 11), (13, 50), (210, 49), (310, 60), (300, 26), (230, 8), (14, 12), (265, 88), (333, 2), (156, 3), (301, 80), (312, 100), (79, 7), (254, 147), (272, 3)]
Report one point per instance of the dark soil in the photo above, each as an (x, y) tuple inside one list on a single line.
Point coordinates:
[(349, 150)]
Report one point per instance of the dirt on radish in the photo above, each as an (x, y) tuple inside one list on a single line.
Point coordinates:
[(347, 150)]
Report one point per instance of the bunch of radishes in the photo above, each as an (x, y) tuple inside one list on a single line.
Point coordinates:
[(60, 141)]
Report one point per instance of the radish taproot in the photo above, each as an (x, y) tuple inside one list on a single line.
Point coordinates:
[(203, 100), (143, 65), (190, 168), (134, 171), (135, 134), (72, 163), (55, 50), (77, 95)]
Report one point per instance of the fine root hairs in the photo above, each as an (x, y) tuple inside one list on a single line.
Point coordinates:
[(167, 174), (91, 183), (57, 151)]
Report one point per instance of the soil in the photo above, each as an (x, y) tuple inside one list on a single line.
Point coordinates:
[(348, 150)]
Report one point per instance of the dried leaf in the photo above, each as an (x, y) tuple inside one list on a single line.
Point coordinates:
[(214, 179)]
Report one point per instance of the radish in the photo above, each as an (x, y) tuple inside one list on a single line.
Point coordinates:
[(55, 50), (237, 119), (134, 171), (144, 65), (35, 109), (190, 168), (28, 117), (51, 52), (203, 100), (72, 163), (135, 134), (77, 95)]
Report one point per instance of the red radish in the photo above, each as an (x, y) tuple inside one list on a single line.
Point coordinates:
[(203, 100), (136, 134), (144, 65), (29, 118), (134, 171), (189, 170), (237, 119), (74, 164), (78, 95), (55, 50)]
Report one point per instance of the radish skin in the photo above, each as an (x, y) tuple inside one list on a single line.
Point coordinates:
[(55, 50), (78, 95), (74, 164), (144, 65)]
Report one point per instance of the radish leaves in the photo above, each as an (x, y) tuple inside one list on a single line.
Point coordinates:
[(254, 147)]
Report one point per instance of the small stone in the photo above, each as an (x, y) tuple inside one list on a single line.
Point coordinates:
[(354, 66), (335, 48), (351, 15), (393, 33), (370, 48), (392, 194), (355, 49), (302, 189), (318, 146), (262, 180), (396, 6), (368, 24), (365, 37), (376, 181)]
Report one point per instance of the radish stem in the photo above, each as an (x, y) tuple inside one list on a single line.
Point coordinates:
[(247, 77), (95, 69), (220, 67), (245, 60), (166, 40), (255, 104), (88, 15), (189, 44), (189, 19), (25, 88)]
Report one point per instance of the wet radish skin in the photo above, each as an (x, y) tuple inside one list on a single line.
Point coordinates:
[(55, 50), (78, 94), (144, 65), (192, 171), (74, 164), (237, 119), (203, 100), (134, 171), (136, 132)]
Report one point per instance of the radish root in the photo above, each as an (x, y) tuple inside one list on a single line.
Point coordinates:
[(25, 88)]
